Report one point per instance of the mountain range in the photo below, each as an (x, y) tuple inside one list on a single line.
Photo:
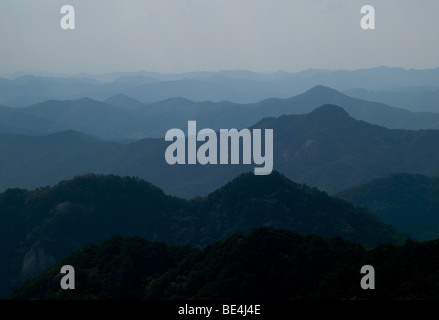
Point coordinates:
[(364, 163), (239, 86), (42, 226), (410, 202), (325, 148), (416, 99), (121, 118), (264, 264)]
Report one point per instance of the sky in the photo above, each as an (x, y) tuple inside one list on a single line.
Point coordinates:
[(175, 36)]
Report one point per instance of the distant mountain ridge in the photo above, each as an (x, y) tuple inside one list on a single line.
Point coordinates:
[(372, 112), (326, 148), (416, 99), (239, 86), (122, 118)]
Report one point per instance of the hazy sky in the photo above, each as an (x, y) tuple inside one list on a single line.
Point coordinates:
[(195, 35)]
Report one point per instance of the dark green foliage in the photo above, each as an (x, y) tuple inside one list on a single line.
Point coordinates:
[(250, 201), (409, 202), (118, 268), (264, 264), (406, 272), (42, 226)]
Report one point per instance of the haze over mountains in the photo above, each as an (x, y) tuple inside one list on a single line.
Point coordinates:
[(235, 86), (121, 118), (325, 148), (54, 129), (416, 99)]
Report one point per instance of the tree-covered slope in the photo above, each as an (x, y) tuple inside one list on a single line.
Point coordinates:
[(408, 201), (264, 264), (42, 226)]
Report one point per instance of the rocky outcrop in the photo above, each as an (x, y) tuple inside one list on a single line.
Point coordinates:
[(34, 261)]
